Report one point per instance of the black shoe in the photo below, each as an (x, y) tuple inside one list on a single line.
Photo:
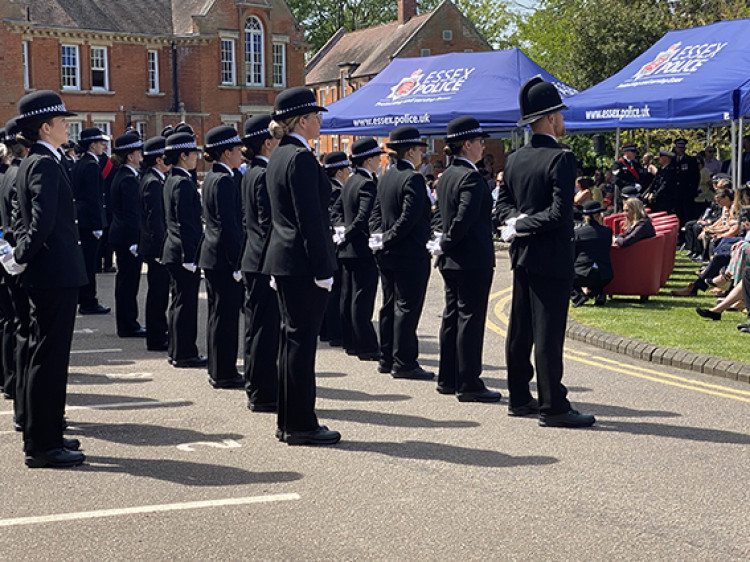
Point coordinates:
[(98, 309), (139, 333), (384, 368), (744, 327), (235, 382), (320, 436), (71, 444), (371, 356), (444, 389), (351, 351), (571, 418), (600, 300), (706, 313), (110, 269), (17, 426), (56, 458), (279, 434), (485, 395), (262, 406), (417, 374), (531, 408), (335, 343), (580, 299), (7, 395), (198, 362), (157, 346)]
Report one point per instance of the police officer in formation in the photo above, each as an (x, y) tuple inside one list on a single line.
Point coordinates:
[(466, 258), (400, 223), (88, 189), (627, 171), (688, 178), (535, 202), (662, 194), (220, 253)]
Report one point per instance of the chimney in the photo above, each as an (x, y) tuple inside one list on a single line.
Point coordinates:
[(407, 9)]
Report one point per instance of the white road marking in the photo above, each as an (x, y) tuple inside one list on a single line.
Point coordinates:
[(18, 521), (116, 405), (128, 375), (80, 351), (225, 444), (85, 331)]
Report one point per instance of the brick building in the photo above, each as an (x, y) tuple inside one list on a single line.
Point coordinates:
[(150, 62), (351, 59)]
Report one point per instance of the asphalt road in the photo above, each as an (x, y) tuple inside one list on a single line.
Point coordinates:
[(178, 471)]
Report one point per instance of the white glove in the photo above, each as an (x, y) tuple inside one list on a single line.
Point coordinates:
[(433, 246), (191, 267), (376, 241), (97, 233), (9, 262), (134, 250), (272, 283), (237, 276), (326, 284), (338, 235), (508, 232)]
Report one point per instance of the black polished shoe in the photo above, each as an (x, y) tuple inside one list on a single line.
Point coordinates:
[(56, 458), (417, 374), (579, 300), (371, 356), (157, 346), (385, 368), (600, 300), (320, 436), (71, 444), (744, 327), (485, 395), (571, 418), (335, 343), (139, 333), (235, 382), (444, 389), (17, 426), (7, 395), (531, 408), (198, 362), (98, 309), (707, 313), (262, 406)]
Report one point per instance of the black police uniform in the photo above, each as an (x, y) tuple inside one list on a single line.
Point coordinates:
[(688, 178), (626, 172), (331, 329), (593, 267), (664, 190)]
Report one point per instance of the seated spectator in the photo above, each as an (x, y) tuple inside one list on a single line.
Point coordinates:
[(638, 225), (593, 268), (583, 191), (705, 185), (740, 261), (694, 245), (726, 226)]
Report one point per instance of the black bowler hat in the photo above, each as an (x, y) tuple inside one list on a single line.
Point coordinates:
[(630, 192), (223, 137), (464, 128), (630, 148), (154, 146), (295, 101), (184, 128), (538, 98), (336, 159), (257, 127), (128, 142), (43, 104), (667, 153), (92, 134), (182, 142), (682, 143), (11, 130), (404, 136), (715, 177), (366, 147), (166, 131), (592, 207)]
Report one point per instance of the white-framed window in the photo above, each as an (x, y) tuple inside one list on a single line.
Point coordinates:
[(468, 50), (254, 52), (74, 131), (70, 68), (99, 74), (25, 59), (227, 62), (153, 72), (425, 53), (447, 35), (279, 65), (140, 126), (345, 146)]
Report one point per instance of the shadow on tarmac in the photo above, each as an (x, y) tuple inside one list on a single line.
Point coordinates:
[(146, 435), (675, 431), (89, 379), (326, 375), (391, 420), (425, 450), (622, 412), (357, 396), (74, 399), (502, 384), (186, 473)]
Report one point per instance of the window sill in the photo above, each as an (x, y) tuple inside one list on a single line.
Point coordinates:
[(94, 92), (155, 94)]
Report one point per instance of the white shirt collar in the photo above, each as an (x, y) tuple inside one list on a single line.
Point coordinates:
[(259, 157), (366, 172), (227, 167), (94, 156), (302, 140), (469, 162), (51, 148), (135, 172), (413, 167), (183, 169), (158, 173)]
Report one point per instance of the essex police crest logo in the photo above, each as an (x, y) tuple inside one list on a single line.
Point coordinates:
[(659, 60), (406, 85)]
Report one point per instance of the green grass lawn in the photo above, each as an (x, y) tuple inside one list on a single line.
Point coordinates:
[(671, 321)]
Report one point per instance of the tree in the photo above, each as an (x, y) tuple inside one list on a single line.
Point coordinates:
[(494, 19)]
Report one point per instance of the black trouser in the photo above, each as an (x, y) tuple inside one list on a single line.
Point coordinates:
[(22, 309), (462, 330), (222, 325), (331, 330), (692, 243), (593, 281), (127, 280), (262, 325), (157, 301), (53, 314), (105, 249), (403, 297), (90, 247), (538, 318), (359, 283), (182, 316), (302, 305), (746, 289), (8, 326), (711, 270)]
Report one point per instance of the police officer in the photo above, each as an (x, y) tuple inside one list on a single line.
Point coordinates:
[(151, 239), (50, 258), (627, 171), (662, 194), (688, 177), (401, 219), (466, 259), (261, 307), (124, 232), (359, 275), (535, 200), (88, 188), (593, 268), (220, 253), (301, 259), (182, 213)]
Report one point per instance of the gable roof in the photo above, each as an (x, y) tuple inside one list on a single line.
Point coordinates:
[(372, 48)]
